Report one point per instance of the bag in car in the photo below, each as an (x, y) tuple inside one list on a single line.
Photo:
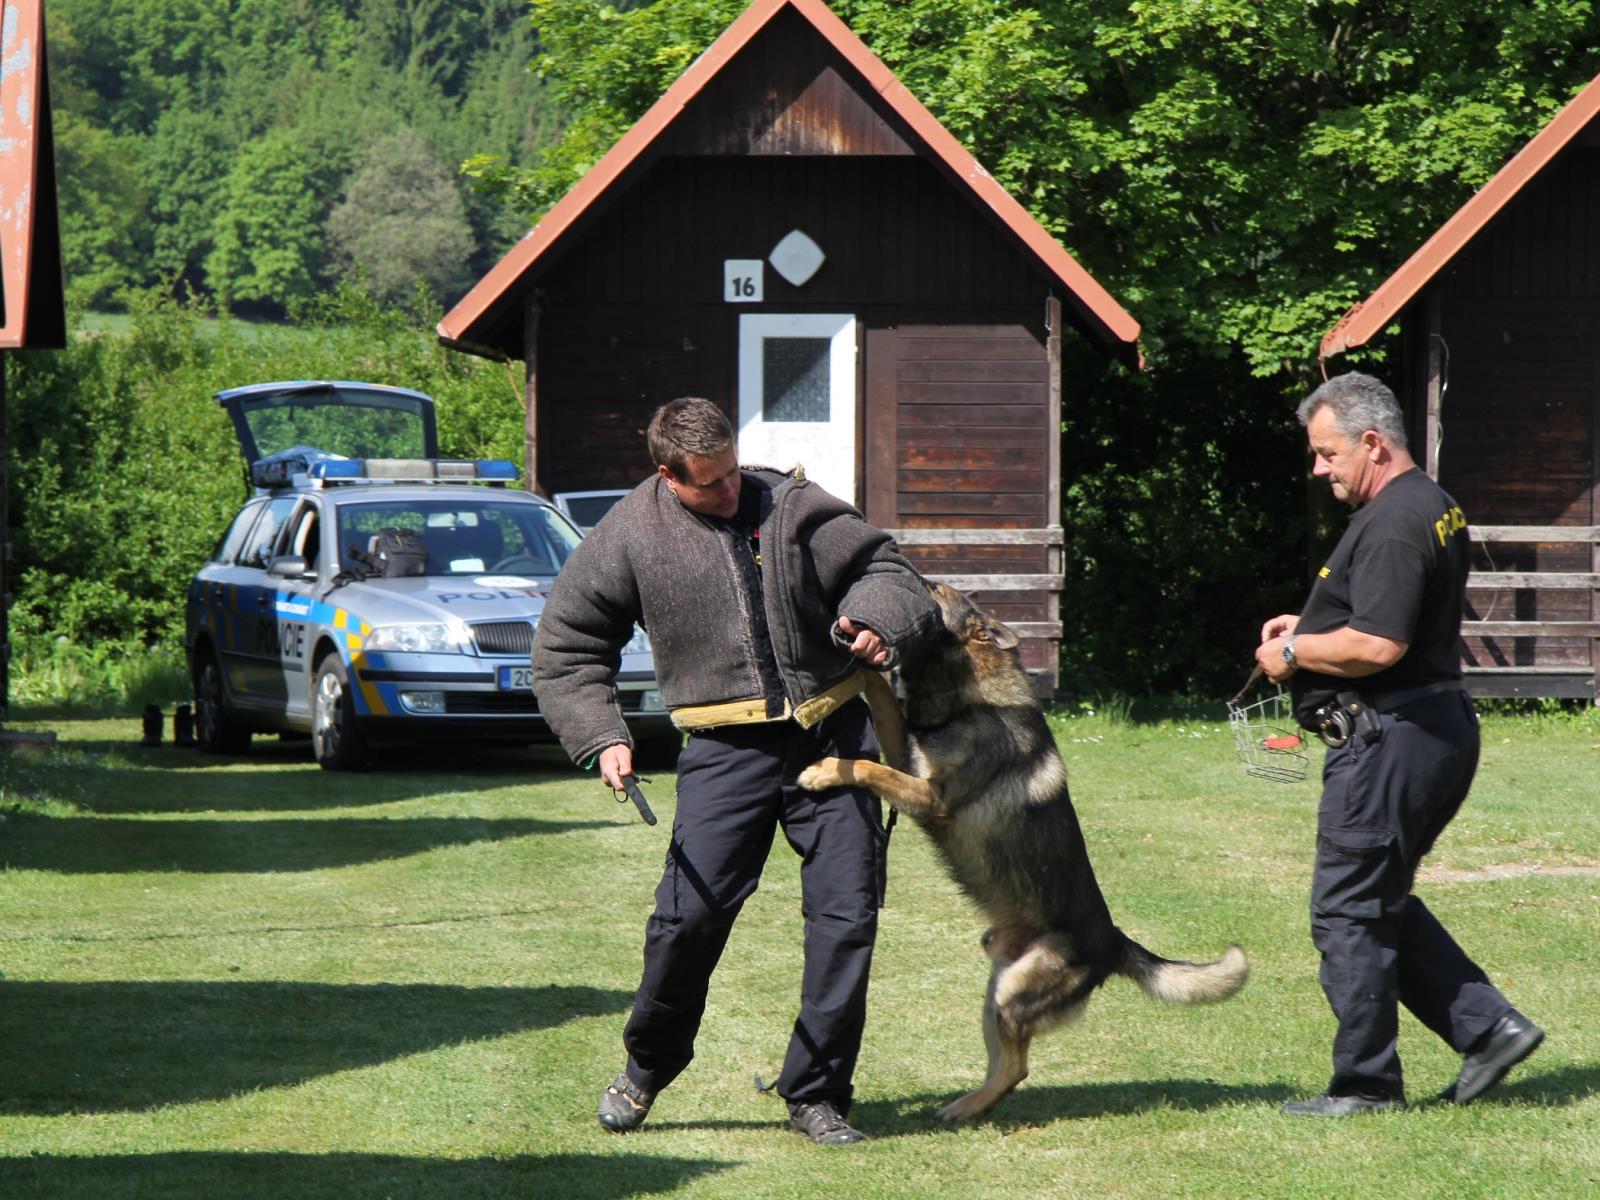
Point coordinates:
[(397, 553)]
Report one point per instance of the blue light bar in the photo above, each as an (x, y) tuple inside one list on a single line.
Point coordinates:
[(412, 470), (346, 468)]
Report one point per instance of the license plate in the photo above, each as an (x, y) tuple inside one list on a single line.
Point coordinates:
[(516, 679)]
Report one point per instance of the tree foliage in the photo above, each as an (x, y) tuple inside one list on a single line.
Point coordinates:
[(402, 223), (183, 123)]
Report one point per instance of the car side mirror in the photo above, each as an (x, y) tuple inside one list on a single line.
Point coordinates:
[(288, 566)]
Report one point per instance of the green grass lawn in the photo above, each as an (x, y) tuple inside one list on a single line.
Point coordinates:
[(251, 978)]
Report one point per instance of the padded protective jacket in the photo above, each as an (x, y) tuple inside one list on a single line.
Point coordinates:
[(654, 562)]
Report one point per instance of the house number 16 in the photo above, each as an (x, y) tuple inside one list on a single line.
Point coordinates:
[(741, 280)]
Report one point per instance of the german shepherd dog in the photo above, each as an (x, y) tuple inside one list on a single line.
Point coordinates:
[(982, 775)]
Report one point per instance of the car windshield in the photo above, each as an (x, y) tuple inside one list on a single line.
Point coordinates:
[(586, 511), (465, 535)]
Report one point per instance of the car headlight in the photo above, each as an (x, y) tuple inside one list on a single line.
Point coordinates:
[(417, 639), (639, 643)]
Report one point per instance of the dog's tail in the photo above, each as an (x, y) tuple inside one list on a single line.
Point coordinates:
[(1184, 982)]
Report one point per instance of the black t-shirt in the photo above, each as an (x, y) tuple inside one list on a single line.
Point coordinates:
[(1399, 571)]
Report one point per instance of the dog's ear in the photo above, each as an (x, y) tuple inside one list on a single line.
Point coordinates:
[(1003, 636)]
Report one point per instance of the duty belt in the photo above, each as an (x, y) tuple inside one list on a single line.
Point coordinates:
[(1389, 701), (754, 712), (1353, 713)]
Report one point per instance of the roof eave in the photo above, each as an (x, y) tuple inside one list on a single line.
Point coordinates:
[(1118, 332), (1368, 318)]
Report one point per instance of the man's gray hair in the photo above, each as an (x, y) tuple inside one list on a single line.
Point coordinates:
[(1359, 403)]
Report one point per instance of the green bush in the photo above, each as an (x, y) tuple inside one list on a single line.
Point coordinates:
[(124, 472)]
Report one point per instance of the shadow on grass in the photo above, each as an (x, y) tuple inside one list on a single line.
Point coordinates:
[(349, 1176), (97, 846), (1031, 1105), (111, 1046), (1550, 1089), (111, 777), (910, 1116)]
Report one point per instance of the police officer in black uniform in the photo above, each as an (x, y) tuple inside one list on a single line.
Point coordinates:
[(1373, 665)]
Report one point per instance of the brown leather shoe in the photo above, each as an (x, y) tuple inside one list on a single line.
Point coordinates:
[(624, 1105)]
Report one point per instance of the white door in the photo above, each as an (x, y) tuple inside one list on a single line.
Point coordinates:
[(797, 395)]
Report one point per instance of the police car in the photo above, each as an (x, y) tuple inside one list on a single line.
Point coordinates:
[(369, 591)]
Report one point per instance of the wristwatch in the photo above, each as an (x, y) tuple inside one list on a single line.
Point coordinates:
[(1288, 653)]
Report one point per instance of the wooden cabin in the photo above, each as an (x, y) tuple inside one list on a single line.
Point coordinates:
[(790, 233), (1499, 318)]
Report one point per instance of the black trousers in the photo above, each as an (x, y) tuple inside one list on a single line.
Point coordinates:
[(1384, 805), (736, 787)]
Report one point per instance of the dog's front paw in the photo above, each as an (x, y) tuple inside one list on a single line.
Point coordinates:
[(821, 775)]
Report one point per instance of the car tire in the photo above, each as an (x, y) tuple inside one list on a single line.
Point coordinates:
[(216, 729), (659, 752), (336, 738)]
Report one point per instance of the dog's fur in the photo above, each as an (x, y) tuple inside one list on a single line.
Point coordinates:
[(983, 777)]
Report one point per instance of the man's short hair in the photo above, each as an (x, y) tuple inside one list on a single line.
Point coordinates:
[(690, 427), (1359, 403)]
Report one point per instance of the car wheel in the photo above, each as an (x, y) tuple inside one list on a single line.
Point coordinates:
[(335, 737), (216, 729), (659, 752)]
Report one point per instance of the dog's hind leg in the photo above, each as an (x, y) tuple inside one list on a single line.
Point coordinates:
[(1040, 990), (1008, 1059)]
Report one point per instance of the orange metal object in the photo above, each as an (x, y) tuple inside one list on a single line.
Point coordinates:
[(495, 289), (30, 248), (1384, 306)]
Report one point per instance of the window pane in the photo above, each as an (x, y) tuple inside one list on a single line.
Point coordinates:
[(794, 379), (262, 539)]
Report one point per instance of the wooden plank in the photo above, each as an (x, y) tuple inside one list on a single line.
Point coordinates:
[(946, 506), (1036, 629), (971, 481), (968, 394), (911, 332), (1530, 629), (976, 415), (1534, 533), (983, 437), (882, 440), (1002, 583), (1024, 348), (1574, 685), (968, 537), (1557, 670), (1052, 500), (1533, 579), (950, 371), (1433, 314), (958, 458), (530, 397)]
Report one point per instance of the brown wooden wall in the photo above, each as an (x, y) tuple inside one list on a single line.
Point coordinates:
[(1519, 315), (892, 228), (633, 316), (959, 438)]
